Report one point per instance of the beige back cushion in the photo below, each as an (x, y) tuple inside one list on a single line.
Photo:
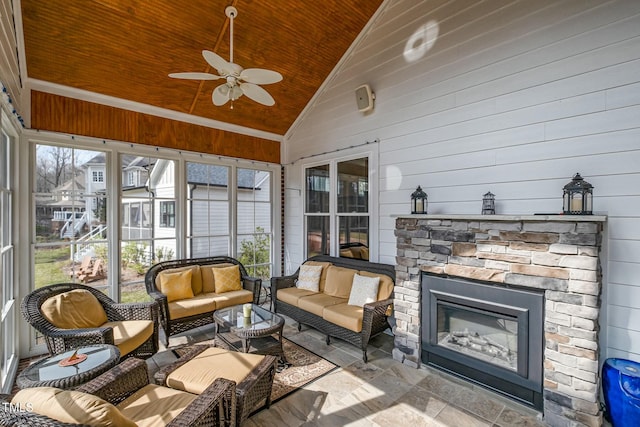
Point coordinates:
[(386, 284), (196, 277), (339, 280), (323, 276), (73, 407), (76, 309), (208, 281)]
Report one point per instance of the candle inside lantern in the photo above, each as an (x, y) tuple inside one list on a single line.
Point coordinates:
[(246, 310), (576, 204)]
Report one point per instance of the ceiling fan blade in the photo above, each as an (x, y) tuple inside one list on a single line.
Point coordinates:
[(220, 95), (216, 61), (257, 93), (259, 76), (194, 76)]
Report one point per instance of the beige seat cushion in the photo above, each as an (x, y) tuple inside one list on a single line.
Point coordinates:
[(292, 295), (339, 280), (208, 281), (76, 309), (196, 277), (230, 298), (201, 371), (323, 276), (364, 253), (73, 407), (316, 303), (155, 406), (130, 334), (227, 279), (177, 286), (386, 284), (347, 316), (202, 303)]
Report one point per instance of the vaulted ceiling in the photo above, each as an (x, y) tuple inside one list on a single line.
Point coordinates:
[(125, 49)]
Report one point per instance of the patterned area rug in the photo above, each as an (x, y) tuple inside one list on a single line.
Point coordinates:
[(303, 367)]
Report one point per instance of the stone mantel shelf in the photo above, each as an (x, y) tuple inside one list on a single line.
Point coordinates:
[(537, 218)]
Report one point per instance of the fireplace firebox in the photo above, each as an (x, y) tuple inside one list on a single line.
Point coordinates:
[(490, 335)]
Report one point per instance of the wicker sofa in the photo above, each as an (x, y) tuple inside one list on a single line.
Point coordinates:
[(196, 309), (327, 310), (121, 396)]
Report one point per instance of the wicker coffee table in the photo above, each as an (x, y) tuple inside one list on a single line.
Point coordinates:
[(260, 333), (48, 373)]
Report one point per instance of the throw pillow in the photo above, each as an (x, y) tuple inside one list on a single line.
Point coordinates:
[(176, 286), (363, 290), (76, 309), (196, 277), (227, 279), (69, 406), (309, 277)]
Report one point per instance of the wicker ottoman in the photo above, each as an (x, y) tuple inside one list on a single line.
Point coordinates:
[(202, 365)]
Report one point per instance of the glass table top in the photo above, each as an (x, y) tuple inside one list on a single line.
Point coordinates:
[(260, 318), (48, 369)]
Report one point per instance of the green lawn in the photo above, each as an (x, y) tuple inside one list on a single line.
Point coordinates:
[(49, 263)]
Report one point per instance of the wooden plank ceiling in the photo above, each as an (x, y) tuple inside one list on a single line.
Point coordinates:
[(127, 48)]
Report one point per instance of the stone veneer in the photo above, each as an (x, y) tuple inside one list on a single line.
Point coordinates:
[(555, 253)]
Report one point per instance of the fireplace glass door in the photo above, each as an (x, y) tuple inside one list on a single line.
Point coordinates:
[(487, 336), (491, 335)]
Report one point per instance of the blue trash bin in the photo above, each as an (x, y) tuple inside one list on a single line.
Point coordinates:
[(621, 389)]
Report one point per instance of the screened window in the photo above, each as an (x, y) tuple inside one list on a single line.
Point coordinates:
[(208, 231), (7, 298), (254, 236), (146, 241), (70, 219)]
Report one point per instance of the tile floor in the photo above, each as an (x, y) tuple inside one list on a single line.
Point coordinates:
[(382, 392)]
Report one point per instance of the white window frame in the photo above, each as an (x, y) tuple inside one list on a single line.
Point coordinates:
[(372, 156), (9, 340)]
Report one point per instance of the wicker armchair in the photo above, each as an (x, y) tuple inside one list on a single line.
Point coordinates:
[(214, 407), (60, 340)]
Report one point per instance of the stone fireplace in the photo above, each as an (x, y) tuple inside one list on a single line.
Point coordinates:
[(555, 255)]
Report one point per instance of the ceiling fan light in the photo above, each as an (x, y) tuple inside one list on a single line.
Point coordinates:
[(235, 92)]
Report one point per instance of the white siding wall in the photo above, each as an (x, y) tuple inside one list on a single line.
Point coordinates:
[(9, 69), (512, 98)]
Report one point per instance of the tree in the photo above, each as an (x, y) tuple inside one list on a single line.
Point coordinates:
[(54, 167), (255, 254)]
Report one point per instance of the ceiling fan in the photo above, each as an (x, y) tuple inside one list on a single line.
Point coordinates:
[(238, 81)]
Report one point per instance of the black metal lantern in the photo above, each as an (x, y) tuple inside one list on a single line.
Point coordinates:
[(418, 201), (489, 204), (578, 197)]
